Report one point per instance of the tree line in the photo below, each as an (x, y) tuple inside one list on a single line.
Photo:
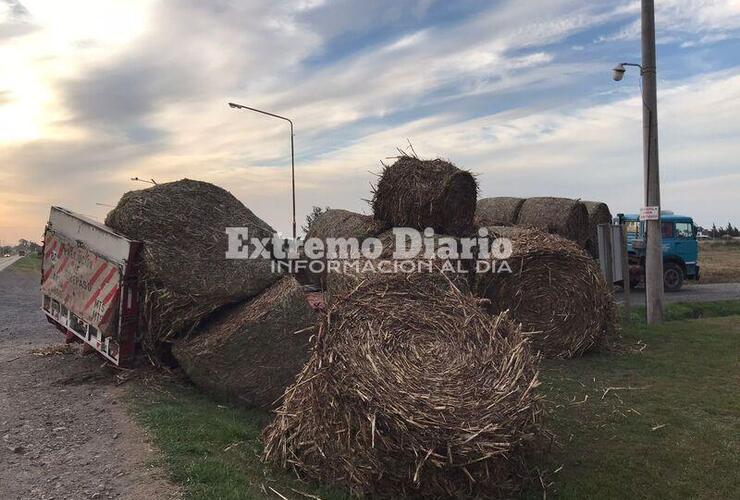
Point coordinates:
[(24, 246), (715, 232)]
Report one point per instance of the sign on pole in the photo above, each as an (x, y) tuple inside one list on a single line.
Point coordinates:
[(650, 213)]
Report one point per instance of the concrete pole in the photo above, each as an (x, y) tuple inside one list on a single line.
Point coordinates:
[(654, 257)]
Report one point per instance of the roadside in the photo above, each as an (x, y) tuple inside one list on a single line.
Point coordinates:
[(64, 432), (657, 420), (711, 292), (635, 422), (720, 261)]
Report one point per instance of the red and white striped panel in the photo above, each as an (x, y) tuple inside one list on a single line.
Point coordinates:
[(82, 281)]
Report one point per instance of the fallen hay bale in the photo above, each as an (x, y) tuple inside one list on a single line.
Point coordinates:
[(426, 193), (598, 213), (337, 223), (249, 353), (562, 216), (555, 290), (341, 284), (500, 211), (411, 390), (185, 274), (457, 269)]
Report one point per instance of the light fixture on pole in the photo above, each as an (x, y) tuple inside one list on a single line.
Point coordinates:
[(619, 70), (292, 153), (653, 236)]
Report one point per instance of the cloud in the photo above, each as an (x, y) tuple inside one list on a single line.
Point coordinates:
[(112, 92), (15, 20), (688, 22)]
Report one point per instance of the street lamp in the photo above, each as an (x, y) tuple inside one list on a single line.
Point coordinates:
[(653, 243), (618, 71), (292, 153)]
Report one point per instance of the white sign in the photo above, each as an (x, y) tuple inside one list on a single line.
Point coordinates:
[(650, 213)]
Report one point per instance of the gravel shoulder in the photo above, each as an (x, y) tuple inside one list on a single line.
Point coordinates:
[(64, 430)]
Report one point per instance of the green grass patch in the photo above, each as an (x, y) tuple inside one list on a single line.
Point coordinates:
[(213, 450), (682, 311), (660, 418), (31, 263)]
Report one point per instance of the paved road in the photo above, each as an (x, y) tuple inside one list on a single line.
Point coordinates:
[(710, 292), (8, 261)]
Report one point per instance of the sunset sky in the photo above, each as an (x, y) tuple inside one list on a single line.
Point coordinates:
[(95, 92)]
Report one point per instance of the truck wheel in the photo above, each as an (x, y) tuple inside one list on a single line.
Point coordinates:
[(672, 277)]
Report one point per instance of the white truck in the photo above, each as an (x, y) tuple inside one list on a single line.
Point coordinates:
[(89, 284)]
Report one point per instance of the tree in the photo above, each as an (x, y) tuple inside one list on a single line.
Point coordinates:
[(714, 232), (311, 218)]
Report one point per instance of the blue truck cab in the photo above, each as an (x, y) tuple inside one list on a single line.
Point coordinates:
[(680, 249)]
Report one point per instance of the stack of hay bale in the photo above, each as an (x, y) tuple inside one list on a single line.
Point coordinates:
[(415, 385), (184, 275), (419, 384), (555, 290), (571, 219), (232, 322)]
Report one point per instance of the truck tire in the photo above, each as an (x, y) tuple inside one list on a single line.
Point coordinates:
[(672, 277)]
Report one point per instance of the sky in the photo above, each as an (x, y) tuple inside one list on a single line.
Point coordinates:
[(95, 92)]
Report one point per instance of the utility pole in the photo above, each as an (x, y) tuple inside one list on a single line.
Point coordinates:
[(654, 243)]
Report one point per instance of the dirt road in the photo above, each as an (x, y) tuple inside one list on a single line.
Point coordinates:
[(64, 433)]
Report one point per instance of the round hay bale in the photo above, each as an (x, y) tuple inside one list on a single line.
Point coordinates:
[(598, 213), (411, 390), (555, 290), (185, 274), (250, 352), (500, 211), (562, 216), (341, 284), (337, 223), (426, 193), (457, 269)]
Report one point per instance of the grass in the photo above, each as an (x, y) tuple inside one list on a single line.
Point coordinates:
[(658, 421), (719, 261), (213, 450), (660, 418), (28, 263)]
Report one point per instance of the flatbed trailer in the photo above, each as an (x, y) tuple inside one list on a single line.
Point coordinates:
[(89, 284)]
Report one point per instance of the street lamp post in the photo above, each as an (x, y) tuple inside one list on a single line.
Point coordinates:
[(292, 151), (653, 243)]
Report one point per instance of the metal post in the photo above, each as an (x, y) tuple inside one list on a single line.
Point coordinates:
[(654, 244), (608, 264), (292, 151), (625, 271), (292, 174)]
